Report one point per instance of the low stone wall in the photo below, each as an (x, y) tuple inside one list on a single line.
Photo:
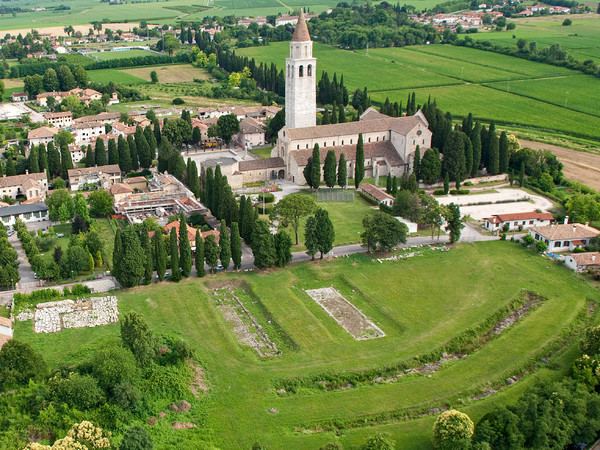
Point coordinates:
[(475, 181)]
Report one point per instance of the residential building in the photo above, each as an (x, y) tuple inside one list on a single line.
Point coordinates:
[(251, 134), (564, 237), (103, 176), (518, 221), (19, 97), (77, 152), (42, 99), (41, 135), (106, 118), (582, 262), (31, 212), (28, 185), (137, 183), (62, 119), (376, 194), (84, 133), (119, 191)]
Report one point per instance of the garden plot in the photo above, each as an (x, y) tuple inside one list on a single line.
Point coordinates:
[(345, 313), (244, 326), (52, 317)]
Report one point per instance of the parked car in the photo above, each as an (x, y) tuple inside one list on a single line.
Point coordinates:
[(59, 235), (10, 233)]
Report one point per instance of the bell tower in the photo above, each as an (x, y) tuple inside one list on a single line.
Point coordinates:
[(300, 80)]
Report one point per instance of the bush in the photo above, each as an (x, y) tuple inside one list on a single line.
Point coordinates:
[(459, 192), (590, 344), (439, 192), (267, 197), (452, 430), (467, 183), (78, 391), (528, 240), (136, 438), (540, 246), (178, 101), (80, 289)]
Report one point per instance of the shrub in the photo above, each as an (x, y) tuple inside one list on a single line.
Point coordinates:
[(78, 391), (136, 438), (590, 345), (528, 240), (540, 246), (452, 430), (439, 192), (267, 197), (381, 441), (178, 101), (80, 289), (467, 183), (459, 192)]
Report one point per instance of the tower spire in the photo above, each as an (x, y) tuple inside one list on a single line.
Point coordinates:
[(301, 33)]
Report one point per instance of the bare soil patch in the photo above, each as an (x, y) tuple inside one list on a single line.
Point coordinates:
[(198, 382), (170, 74), (345, 313), (59, 31), (581, 167)]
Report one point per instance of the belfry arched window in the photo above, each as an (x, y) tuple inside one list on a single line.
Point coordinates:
[(309, 70), (301, 71)]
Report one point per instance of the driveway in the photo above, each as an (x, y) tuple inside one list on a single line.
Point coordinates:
[(24, 267), (515, 196)]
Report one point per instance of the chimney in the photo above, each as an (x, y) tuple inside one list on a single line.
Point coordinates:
[(574, 228), (566, 220), (587, 224), (26, 172), (593, 257)]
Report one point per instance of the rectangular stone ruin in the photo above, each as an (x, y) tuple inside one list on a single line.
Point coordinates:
[(52, 317), (345, 313)]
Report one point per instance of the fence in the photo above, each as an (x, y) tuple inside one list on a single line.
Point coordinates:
[(335, 195)]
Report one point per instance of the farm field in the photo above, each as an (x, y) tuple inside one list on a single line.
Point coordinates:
[(169, 74), (107, 56), (449, 75), (115, 75), (580, 39), (243, 406)]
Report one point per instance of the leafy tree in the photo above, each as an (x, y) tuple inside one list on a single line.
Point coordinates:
[(430, 212), (113, 153), (33, 85), (359, 166), (130, 269), (50, 80), (295, 206), (590, 344), (540, 246), (263, 245), (175, 268), (81, 77), (406, 204), (199, 255), (381, 441), (431, 166), (236, 246), (283, 248), (66, 79), (153, 77), (138, 337), (100, 153), (211, 253), (315, 168), (112, 365), (329, 169), (19, 364), (342, 175), (136, 437), (225, 245), (325, 231), (453, 430), (160, 255), (453, 222), (57, 199), (101, 203), (382, 231), (80, 206), (228, 125)]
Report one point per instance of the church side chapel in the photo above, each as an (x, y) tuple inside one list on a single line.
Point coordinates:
[(389, 142)]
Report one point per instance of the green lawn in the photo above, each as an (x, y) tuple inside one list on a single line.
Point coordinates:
[(419, 303), (262, 152), (114, 75), (4, 311), (106, 56)]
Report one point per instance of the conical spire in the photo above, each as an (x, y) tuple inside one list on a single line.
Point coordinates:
[(301, 33)]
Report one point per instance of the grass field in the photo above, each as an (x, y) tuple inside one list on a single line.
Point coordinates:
[(419, 303), (115, 75), (464, 80), (170, 74), (106, 56), (580, 39)]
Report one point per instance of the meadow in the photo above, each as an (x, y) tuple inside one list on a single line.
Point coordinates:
[(464, 80), (107, 56), (170, 74), (420, 303), (115, 75)]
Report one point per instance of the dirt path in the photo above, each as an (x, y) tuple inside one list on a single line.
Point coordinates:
[(582, 167)]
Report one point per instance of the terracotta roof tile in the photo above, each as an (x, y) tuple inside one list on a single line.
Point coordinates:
[(261, 163), (372, 150), (301, 33), (566, 231)]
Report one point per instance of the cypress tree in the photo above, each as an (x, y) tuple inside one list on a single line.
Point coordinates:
[(209, 185), (394, 186), (191, 177), (359, 166), (113, 153), (236, 246), (33, 161), (53, 161), (175, 270), (334, 113), (485, 156), (494, 153), (216, 192), (311, 237), (342, 175), (124, 155), (100, 153), (503, 152), (185, 251), (89, 156), (211, 252), (160, 255), (225, 245), (130, 270), (149, 259), (325, 231), (417, 163), (117, 254), (135, 164), (143, 150), (388, 183), (342, 115), (42, 158), (413, 104), (329, 169), (315, 169), (65, 161), (326, 119), (263, 245), (476, 143), (468, 155), (522, 174), (199, 255), (164, 152), (446, 183), (307, 171), (241, 216), (283, 248), (151, 139)]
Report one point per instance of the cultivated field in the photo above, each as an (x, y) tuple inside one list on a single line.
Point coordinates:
[(170, 74), (496, 87), (115, 75), (421, 304), (106, 56)]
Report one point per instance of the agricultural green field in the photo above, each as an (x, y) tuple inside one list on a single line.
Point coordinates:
[(464, 80), (420, 303), (580, 39), (115, 75), (106, 56)]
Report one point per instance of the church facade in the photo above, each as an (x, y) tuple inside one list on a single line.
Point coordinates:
[(389, 142)]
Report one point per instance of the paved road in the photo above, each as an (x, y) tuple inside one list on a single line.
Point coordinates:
[(24, 267)]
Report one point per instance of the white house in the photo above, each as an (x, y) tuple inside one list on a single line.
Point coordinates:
[(30, 185), (19, 97), (580, 262), (252, 133), (85, 132), (41, 135), (564, 237), (379, 195), (27, 212), (105, 176), (517, 221), (61, 119)]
